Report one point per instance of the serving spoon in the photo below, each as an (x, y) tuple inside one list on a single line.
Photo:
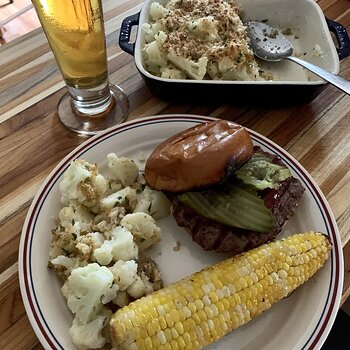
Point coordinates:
[(270, 45)]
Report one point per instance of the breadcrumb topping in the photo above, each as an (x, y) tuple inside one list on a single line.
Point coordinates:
[(188, 31)]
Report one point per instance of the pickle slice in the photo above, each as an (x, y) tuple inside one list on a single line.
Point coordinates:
[(234, 204), (261, 173)]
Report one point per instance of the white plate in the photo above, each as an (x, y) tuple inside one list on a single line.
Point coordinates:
[(301, 321)]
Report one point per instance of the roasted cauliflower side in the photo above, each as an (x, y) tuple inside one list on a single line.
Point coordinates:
[(98, 246)]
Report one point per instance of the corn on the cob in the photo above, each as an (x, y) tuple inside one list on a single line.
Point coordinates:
[(202, 308)]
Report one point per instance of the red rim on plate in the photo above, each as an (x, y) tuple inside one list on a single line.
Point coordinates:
[(28, 287)]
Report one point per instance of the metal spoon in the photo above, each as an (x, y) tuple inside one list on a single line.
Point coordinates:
[(270, 45)]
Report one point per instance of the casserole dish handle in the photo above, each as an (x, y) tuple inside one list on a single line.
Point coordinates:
[(125, 32), (342, 37)]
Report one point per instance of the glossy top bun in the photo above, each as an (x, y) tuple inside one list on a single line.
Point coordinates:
[(198, 157)]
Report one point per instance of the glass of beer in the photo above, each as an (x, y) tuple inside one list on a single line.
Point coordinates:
[(75, 32)]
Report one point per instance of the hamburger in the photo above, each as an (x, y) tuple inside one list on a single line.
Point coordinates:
[(230, 195)]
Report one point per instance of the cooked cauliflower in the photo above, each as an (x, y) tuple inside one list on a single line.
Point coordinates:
[(122, 298), (123, 169), (69, 250), (82, 183), (171, 73), (95, 245), (157, 10), (63, 241), (120, 246), (63, 265), (195, 35), (138, 288), (124, 273), (108, 220), (143, 228), (205, 28), (87, 289), (90, 335), (154, 55), (194, 69), (124, 198), (76, 215), (154, 203), (151, 30)]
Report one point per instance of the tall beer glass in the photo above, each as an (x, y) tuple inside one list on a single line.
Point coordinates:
[(75, 31)]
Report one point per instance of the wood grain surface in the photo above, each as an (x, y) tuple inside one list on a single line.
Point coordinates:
[(32, 140)]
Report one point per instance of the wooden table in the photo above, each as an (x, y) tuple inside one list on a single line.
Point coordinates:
[(32, 141)]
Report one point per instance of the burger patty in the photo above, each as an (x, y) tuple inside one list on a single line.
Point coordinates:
[(211, 235)]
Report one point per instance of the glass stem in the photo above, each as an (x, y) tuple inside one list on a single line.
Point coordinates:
[(91, 101)]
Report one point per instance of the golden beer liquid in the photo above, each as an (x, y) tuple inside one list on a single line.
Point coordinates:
[(74, 29)]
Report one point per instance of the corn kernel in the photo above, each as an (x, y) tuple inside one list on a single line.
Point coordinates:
[(206, 300), (196, 319), (174, 315), (181, 343), (174, 333), (148, 343), (179, 327), (202, 315), (220, 307), (174, 344), (192, 307), (169, 320), (161, 337), (187, 338), (206, 289), (206, 333), (167, 334)]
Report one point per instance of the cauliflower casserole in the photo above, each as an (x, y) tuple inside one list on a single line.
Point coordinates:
[(198, 39), (98, 245)]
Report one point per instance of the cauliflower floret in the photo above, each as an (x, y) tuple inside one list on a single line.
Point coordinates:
[(204, 28), (225, 64), (124, 198), (87, 288), (63, 241), (82, 182), (63, 265), (123, 169), (68, 263), (113, 186), (151, 31), (144, 229), (76, 215), (154, 56), (107, 221), (243, 74), (122, 299), (157, 11), (154, 203), (90, 335), (87, 244), (138, 288), (195, 70), (171, 73), (68, 250), (160, 38), (120, 246), (213, 69), (124, 273)]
